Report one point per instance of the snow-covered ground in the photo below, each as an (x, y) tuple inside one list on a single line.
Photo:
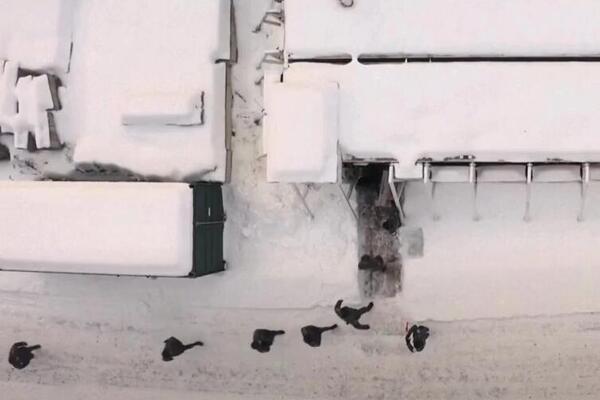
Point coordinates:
[(501, 266), (102, 336), (113, 351)]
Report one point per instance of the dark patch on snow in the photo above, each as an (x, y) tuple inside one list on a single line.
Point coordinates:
[(374, 209), (412, 241), (26, 166), (4, 153), (99, 172), (239, 95)]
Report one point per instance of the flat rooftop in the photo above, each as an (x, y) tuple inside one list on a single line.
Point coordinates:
[(448, 27), (141, 91), (494, 111), (120, 228)]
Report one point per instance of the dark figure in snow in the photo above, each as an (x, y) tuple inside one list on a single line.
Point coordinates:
[(312, 334), (392, 224), (352, 315), (369, 263), (174, 347), (20, 354), (393, 221), (263, 339), (417, 334)]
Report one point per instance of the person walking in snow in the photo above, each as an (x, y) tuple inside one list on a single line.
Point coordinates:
[(174, 348), (312, 334), (352, 315), (20, 354), (262, 340), (416, 337)]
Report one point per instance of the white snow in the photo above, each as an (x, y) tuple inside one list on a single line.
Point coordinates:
[(34, 99), (501, 173), (163, 109), (556, 173), (36, 34), (450, 174), (285, 264), (494, 111), (267, 233), (8, 99), (109, 228), (108, 346), (170, 47), (443, 27), (300, 132), (501, 266)]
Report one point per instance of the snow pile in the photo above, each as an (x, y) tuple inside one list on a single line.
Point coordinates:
[(110, 228), (169, 48), (494, 111), (300, 132), (36, 34), (448, 27)]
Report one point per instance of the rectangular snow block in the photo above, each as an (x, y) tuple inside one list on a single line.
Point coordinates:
[(34, 99), (301, 132), (97, 227), (8, 99)]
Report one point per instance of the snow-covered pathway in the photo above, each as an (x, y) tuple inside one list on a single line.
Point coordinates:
[(97, 353)]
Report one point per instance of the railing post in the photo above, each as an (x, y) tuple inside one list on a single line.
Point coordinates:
[(430, 185), (473, 182), (585, 182), (529, 173)]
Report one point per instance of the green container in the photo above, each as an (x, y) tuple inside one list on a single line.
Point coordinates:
[(209, 223)]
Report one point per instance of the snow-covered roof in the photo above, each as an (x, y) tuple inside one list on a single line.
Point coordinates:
[(36, 34), (494, 111), (168, 52), (443, 27), (143, 91), (300, 132), (109, 228)]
